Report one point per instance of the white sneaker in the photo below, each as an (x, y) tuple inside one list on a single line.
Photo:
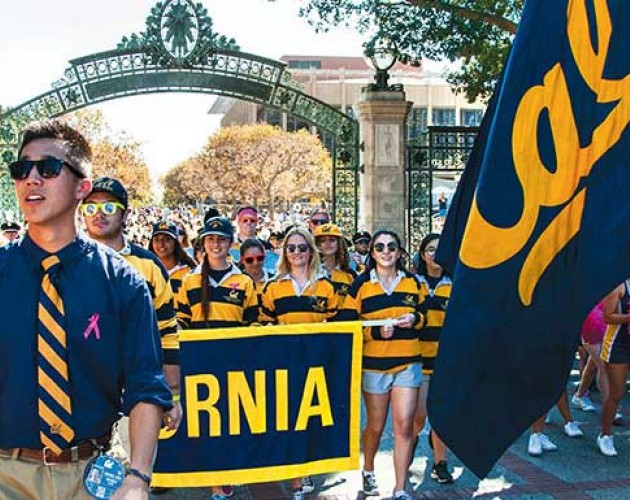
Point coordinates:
[(606, 445), (546, 443), (572, 429), (535, 446), (307, 485), (584, 403)]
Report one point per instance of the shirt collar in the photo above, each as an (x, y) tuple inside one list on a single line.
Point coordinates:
[(231, 272), (126, 249), (374, 276), (67, 255), (399, 276)]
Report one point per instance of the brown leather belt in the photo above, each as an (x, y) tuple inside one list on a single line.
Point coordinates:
[(82, 450)]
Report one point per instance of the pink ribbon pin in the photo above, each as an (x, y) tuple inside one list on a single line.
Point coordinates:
[(93, 327)]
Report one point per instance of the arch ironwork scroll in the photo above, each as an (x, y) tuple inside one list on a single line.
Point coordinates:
[(180, 52), (440, 150)]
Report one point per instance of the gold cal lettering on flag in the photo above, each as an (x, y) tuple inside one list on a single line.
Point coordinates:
[(485, 245)]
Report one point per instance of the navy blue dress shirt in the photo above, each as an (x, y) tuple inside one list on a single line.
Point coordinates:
[(114, 352)]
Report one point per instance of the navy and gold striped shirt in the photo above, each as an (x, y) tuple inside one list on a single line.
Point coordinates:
[(156, 277), (368, 300), (232, 302), (176, 275), (282, 304), (342, 280), (433, 307)]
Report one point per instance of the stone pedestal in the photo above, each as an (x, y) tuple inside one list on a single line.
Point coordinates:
[(382, 116)]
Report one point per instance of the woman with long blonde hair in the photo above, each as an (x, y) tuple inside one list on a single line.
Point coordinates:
[(299, 294)]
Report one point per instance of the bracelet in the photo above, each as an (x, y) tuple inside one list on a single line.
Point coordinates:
[(177, 398), (135, 472)]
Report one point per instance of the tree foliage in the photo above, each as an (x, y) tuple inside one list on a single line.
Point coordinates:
[(255, 164), (477, 34), (116, 154)]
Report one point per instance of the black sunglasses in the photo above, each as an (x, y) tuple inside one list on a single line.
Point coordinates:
[(391, 246), (301, 248), (251, 260), (48, 168), (319, 222)]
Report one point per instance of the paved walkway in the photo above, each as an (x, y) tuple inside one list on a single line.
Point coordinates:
[(577, 471)]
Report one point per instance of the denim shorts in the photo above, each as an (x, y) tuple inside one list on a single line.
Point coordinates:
[(382, 383)]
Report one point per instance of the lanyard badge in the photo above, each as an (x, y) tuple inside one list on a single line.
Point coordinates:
[(103, 475)]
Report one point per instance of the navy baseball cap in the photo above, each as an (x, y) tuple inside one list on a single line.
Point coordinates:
[(165, 227), (112, 186), (361, 236), (10, 227), (219, 226)]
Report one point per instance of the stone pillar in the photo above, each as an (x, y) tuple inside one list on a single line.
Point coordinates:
[(383, 116)]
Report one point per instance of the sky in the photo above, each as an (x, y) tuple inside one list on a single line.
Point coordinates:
[(38, 38)]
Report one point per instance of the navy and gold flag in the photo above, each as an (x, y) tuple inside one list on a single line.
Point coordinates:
[(541, 226), (265, 403)]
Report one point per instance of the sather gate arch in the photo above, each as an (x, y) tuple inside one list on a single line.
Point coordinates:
[(180, 52)]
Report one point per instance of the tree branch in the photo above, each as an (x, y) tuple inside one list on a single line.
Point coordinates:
[(473, 15)]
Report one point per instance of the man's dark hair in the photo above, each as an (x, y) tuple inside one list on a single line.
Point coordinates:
[(78, 151)]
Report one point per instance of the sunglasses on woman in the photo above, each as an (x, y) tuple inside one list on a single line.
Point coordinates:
[(251, 260), (107, 207), (380, 247), (301, 248), (48, 168)]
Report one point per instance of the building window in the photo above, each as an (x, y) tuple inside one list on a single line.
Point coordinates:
[(471, 117), (305, 64), (443, 117), (417, 122)]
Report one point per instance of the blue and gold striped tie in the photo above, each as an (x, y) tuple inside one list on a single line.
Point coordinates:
[(54, 404)]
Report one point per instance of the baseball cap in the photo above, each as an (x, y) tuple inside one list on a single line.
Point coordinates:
[(165, 227), (112, 186), (361, 236), (329, 229), (219, 226), (10, 227)]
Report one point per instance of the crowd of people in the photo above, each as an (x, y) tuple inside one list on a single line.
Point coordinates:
[(63, 288)]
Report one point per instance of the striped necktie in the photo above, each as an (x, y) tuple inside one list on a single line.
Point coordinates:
[(54, 405)]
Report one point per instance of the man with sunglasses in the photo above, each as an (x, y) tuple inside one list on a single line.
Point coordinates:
[(105, 211), (247, 223), (318, 217), (78, 337)]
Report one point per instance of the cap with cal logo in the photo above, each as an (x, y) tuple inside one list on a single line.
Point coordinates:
[(112, 186), (219, 226), (165, 227)]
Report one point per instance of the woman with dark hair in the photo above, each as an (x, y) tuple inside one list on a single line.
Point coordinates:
[(184, 241), (388, 296), (435, 291), (335, 258), (252, 254), (299, 294), (165, 244), (217, 294)]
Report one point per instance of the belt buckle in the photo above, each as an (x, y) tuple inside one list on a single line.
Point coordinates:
[(45, 459)]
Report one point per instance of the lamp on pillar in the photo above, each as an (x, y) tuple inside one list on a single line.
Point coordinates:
[(380, 55)]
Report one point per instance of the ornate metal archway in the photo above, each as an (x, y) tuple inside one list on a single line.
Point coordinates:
[(180, 52), (440, 150)]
